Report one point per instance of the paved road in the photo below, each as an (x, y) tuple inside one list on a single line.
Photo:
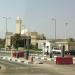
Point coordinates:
[(39, 69), (36, 69), (20, 69)]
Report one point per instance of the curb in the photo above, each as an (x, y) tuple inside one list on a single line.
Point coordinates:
[(2, 67), (15, 59)]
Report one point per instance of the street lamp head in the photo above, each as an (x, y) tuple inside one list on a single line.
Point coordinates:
[(66, 23), (6, 17), (53, 19)]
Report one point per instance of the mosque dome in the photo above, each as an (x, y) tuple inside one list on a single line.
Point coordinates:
[(24, 31)]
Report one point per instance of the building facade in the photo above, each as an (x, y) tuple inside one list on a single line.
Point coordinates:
[(35, 36), (68, 45), (24, 41)]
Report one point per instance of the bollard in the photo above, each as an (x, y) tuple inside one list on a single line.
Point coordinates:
[(63, 51), (51, 55), (31, 59), (27, 54)]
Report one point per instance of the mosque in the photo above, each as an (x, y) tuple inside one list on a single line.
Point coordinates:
[(29, 37)]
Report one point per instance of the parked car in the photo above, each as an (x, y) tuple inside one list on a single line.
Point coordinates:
[(56, 50), (72, 52)]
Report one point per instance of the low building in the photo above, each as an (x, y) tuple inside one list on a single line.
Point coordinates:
[(25, 41), (69, 45), (50, 44), (45, 45), (35, 36)]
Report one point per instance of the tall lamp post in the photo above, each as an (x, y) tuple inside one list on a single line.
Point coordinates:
[(6, 23), (6, 18), (66, 24), (53, 19)]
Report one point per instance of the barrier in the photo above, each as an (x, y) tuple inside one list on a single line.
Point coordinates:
[(64, 60), (18, 54)]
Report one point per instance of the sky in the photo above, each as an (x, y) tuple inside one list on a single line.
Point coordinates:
[(37, 16)]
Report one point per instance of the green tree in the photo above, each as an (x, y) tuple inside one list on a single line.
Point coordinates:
[(71, 40), (15, 40)]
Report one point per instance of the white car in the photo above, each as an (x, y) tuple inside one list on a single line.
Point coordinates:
[(56, 50)]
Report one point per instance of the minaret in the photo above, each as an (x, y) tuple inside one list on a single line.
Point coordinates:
[(18, 25)]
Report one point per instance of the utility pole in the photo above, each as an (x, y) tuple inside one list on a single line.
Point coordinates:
[(55, 28), (66, 24), (6, 18), (6, 23)]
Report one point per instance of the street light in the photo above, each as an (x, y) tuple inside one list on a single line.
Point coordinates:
[(66, 24), (6, 18), (53, 19)]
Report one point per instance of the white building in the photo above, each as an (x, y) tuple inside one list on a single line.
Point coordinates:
[(45, 45)]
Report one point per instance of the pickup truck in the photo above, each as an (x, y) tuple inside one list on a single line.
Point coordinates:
[(56, 50)]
